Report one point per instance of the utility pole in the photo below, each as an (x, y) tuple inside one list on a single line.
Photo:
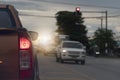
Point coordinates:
[(106, 17), (106, 24), (101, 18), (106, 14)]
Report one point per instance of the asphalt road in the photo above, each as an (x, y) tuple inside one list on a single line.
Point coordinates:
[(94, 69)]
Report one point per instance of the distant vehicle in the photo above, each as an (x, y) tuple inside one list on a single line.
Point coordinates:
[(17, 58), (117, 49), (71, 51)]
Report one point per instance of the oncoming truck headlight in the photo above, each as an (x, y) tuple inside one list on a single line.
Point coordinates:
[(64, 50)]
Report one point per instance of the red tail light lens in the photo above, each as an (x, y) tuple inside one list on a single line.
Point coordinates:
[(24, 43)]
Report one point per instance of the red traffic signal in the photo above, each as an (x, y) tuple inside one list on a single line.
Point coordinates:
[(77, 12), (77, 8)]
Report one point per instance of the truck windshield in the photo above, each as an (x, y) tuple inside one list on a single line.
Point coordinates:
[(6, 20), (72, 45)]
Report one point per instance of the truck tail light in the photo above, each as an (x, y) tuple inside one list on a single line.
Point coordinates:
[(24, 60), (24, 53), (24, 43)]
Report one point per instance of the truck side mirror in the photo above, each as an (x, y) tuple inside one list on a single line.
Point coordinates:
[(34, 35)]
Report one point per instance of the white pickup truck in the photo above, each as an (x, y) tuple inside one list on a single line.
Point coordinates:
[(71, 51)]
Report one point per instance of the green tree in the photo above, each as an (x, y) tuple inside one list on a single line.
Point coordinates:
[(102, 37), (70, 24)]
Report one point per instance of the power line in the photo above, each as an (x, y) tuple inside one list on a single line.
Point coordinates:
[(91, 17), (37, 15), (93, 11), (113, 16)]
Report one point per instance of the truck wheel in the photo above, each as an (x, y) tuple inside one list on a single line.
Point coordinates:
[(57, 59), (82, 62), (77, 62), (61, 60)]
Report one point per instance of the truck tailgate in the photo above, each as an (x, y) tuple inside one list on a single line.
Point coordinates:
[(9, 55)]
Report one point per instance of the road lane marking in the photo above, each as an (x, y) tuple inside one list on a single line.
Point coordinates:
[(59, 73), (74, 71), (62, 79)]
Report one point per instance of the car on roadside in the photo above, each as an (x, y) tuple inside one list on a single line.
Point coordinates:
[(71, 51)]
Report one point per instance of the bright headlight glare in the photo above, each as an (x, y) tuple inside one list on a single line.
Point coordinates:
[(64, 51)]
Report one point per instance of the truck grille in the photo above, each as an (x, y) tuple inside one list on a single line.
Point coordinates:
[(73, 53)]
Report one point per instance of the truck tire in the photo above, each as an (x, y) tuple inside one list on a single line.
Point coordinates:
[(82, 62), (57, 59), (77, 62), (61, 60)]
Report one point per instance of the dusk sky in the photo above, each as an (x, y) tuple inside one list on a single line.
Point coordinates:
[(43, 8)]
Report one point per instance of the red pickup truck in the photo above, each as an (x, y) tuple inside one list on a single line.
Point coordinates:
[(17, 58)]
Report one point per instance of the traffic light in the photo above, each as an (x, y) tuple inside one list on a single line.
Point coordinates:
[(77, 11)]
